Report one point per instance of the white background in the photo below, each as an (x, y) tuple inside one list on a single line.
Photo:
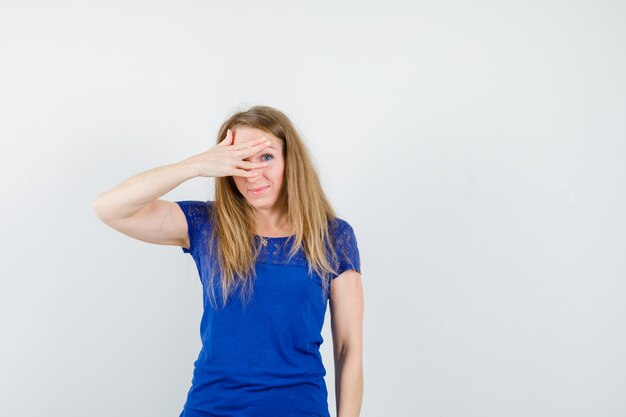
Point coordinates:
[(477, 148)]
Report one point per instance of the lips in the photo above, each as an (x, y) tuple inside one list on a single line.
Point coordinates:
[(258, 192), (259, 189)]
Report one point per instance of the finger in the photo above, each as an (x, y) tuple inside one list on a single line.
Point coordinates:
[(246, 152), (228, 139), (251, 165), (247, 145), (243, 173)]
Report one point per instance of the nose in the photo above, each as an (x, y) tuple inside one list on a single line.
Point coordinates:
[(257, 176)]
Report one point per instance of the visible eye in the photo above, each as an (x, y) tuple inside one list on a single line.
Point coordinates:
[(267, 154)]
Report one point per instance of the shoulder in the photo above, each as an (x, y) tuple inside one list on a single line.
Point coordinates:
[(345, 245), (340, 227), (341, 233), (195, 206), (197, 215), (196, 211)]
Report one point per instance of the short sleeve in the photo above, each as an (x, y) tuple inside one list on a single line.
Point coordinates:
[(346, 248), (197, 215)]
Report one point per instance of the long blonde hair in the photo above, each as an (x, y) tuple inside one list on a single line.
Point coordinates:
[(302, 201)]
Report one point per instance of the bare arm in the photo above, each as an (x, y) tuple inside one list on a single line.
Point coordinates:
[(138, 191), (134, 208), (346, 308)]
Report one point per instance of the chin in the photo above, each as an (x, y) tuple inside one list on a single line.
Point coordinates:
[(261, 204)]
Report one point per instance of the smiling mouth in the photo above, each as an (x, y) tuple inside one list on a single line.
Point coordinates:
[(259, 189)]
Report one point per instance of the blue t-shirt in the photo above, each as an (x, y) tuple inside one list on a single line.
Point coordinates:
[(262, 360)]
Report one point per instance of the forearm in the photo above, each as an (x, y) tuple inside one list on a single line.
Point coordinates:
[(136, 192), (349, 384)]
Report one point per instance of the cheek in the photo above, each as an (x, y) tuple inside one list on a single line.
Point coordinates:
[(277, 175), (238, 182), (278, 171)]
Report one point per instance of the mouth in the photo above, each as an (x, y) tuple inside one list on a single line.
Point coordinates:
[(258, 191)]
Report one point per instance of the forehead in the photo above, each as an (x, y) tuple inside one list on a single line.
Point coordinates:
[(251, 134)]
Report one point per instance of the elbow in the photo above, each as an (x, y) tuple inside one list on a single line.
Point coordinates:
[(353, 347), (96, 207)]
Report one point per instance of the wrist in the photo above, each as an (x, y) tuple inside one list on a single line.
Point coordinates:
[(189, 168)]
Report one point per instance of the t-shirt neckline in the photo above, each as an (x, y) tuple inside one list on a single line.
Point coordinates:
[(273, 237)]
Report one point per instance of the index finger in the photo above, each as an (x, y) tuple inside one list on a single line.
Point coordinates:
[(264, 141)]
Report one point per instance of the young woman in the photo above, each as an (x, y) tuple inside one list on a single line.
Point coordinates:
[(271, 254)]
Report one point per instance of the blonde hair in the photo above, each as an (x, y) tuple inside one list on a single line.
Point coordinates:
[(302, 201)]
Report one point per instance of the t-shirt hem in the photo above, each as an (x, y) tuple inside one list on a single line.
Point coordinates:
[(188, 412)]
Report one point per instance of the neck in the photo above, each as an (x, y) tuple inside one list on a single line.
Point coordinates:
[(271, 223)]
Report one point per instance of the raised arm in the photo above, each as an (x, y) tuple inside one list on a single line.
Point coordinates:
[(134, 208)]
